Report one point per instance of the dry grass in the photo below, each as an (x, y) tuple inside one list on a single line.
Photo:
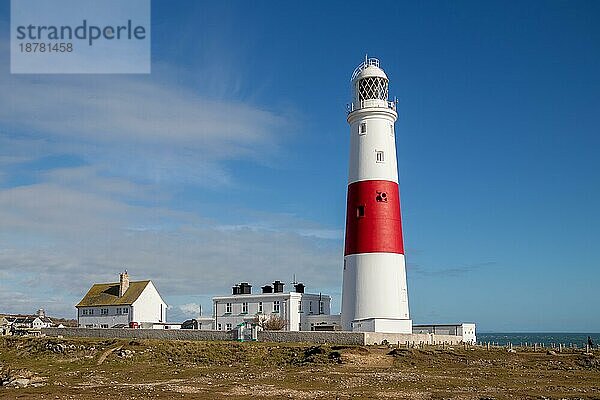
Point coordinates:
[(146, 369)]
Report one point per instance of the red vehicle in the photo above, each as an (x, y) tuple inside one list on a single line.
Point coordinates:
[(134, 325)]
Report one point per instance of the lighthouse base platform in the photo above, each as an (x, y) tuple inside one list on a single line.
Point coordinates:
[(383, 325)]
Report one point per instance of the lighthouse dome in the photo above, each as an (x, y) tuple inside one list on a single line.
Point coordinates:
[(369, 71), (369, 85)]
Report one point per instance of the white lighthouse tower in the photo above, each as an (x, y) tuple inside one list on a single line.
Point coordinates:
[(374, 294)]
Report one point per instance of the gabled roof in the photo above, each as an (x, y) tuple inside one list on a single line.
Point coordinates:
[(107, 294), (25, 319), (20, 319)]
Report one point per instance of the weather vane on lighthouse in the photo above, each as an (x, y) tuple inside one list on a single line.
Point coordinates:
[(374, 294)]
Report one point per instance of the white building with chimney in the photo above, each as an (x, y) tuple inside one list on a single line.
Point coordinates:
[(295, 310), (121, 304)]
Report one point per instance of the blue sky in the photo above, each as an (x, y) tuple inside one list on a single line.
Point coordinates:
[(229, 161)]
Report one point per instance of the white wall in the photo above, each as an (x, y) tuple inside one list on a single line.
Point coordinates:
[(468, 333), (149, 306), (315, 320), (379, 136), (38, 323), (96, 320)]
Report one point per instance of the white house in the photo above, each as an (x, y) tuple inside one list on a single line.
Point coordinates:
[(297, 310), (121, 304), (24, 324)]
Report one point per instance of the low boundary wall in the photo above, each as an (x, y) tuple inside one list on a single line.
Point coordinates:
[(348, 338), (111, 333), (415, 338), (341, 338)]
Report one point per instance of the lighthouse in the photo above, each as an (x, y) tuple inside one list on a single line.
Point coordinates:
[(374, 293)]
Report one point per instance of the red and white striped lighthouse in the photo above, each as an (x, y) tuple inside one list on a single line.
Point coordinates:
[(374, 294)]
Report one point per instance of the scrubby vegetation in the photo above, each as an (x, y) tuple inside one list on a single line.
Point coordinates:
[(50, 368)]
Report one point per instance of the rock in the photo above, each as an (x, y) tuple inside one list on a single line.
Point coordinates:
[(19, 382), (124, 353), (512, 351), (551, 352)]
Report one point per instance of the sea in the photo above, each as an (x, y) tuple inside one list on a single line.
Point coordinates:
[(546, 339)]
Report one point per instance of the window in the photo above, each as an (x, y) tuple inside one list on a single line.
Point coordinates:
[(104, 326), (91, 311), (228, 327), (228, 308), (310, 307), (320, 307), (89, 326), (391, 130), (360, 211), (219, 327), (300, 306), (119, 311), (126, 310), (373, 87), (244, 308), (276, 306), (85, 312), (104, 311), (362, 129), (260, 309), (379, 156)]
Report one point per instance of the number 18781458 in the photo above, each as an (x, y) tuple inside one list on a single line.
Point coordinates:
[(41, 47)]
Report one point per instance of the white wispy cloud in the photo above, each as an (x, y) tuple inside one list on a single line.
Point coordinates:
[(142, 127), (190, 309), (134, 110), (61, 238)]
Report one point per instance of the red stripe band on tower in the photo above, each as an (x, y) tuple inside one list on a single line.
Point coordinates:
[(373, 222)]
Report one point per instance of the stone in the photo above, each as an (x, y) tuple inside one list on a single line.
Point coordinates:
[(19, 382)]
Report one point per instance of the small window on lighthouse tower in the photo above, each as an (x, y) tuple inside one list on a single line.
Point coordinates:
[(379, 156), (360, 211), (362, 129)]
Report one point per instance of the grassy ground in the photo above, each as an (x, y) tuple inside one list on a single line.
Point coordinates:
[(146, 369)]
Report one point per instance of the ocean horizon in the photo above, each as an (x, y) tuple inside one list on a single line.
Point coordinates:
[(544, 338)]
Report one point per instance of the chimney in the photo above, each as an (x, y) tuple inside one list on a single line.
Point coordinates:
[(267, 289), (245, 288), (123, 283), (278, 287)]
